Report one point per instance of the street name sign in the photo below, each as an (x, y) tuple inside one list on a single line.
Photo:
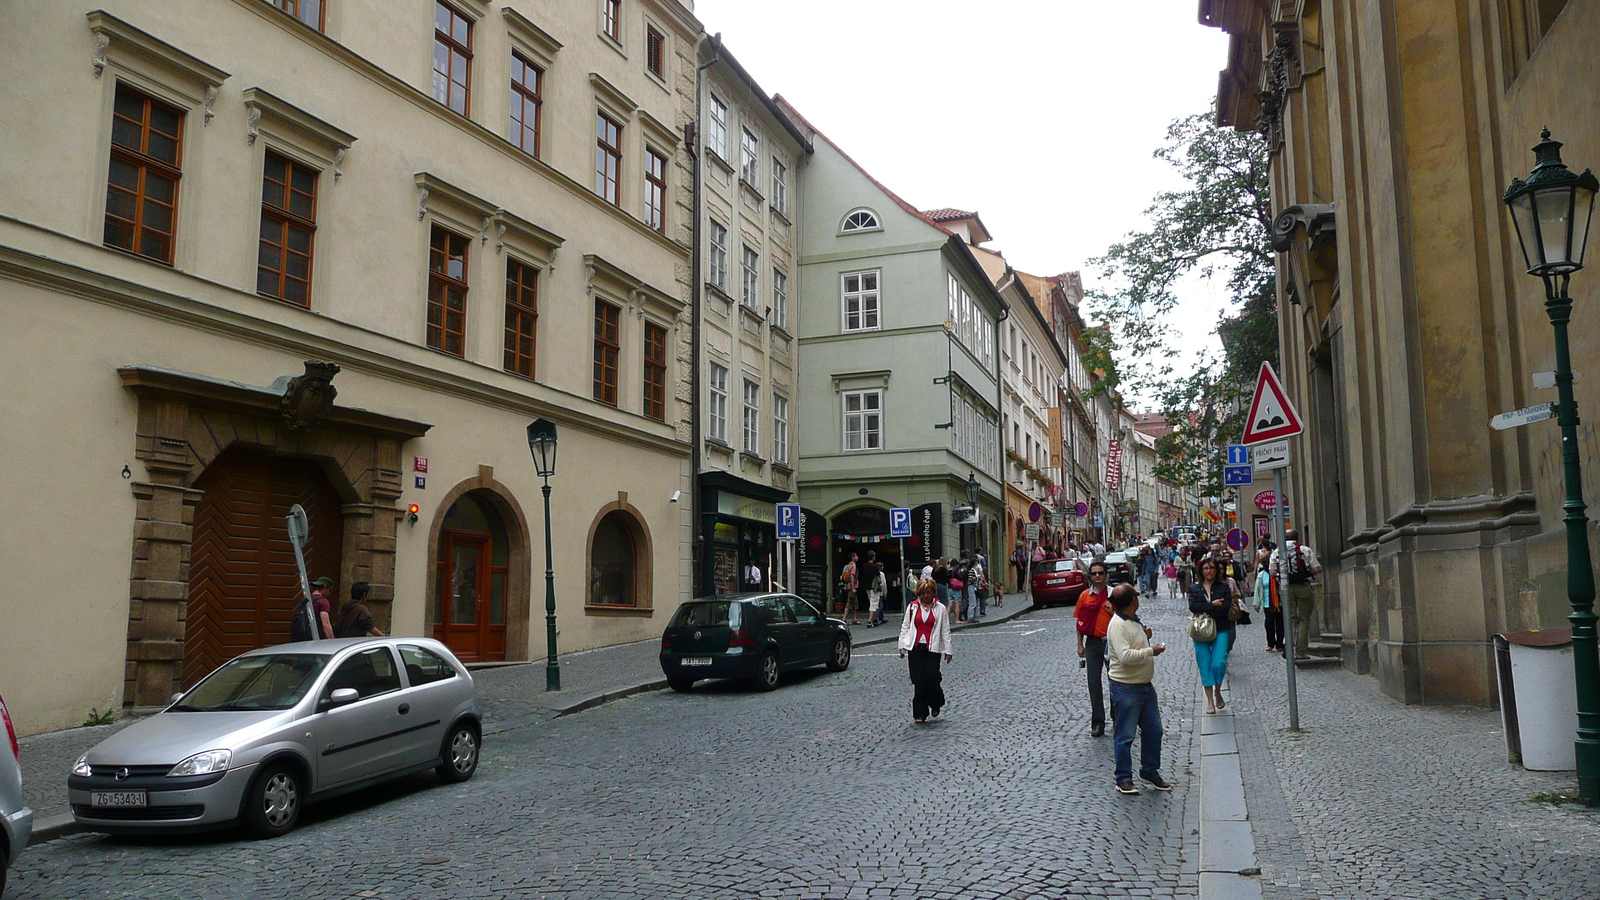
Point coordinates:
[(1237, 475), (900, 522), (1271, 416), (1274, 455), (1030, 531), (1520, 417), (1238, 455), (788, 521), (1548, 379)]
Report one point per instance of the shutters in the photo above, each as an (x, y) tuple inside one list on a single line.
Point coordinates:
[(243, 585)]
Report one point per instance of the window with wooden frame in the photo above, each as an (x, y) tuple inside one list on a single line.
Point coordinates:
[(447, 292), (142, 189), (288, 228), (608, 159), (655, 371), (655, 190), (607, 346), (780, 429), (655, 51), (717, 134), (780, 299), (522, 317), (611, 18), (748, 283), (452, 57), (527, 102), (307, 11), (717, 403), (749, 155), (717, 254), (752, 417), (780, 187)]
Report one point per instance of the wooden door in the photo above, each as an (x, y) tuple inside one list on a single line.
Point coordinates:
[(243, 584), (470, 615)]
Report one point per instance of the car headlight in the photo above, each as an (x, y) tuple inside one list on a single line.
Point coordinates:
[(82, 767), (206, 763)]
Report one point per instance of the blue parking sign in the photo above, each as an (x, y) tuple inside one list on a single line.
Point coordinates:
[(788, 521), (900, 522)]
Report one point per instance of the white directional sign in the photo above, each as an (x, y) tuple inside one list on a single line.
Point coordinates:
[(1520, 417), (1548, 379), (788, 521), (1272, 456), (1238, 455), (900, 522), (1030, 531)]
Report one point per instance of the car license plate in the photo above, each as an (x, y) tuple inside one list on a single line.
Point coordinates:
[(119, 798), (1058, 581), (695, 661)]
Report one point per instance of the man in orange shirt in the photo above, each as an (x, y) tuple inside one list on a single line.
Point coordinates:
[(1094, 615)]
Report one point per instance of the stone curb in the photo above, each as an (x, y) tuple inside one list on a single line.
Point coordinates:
[(1228, 868), (53, 827)]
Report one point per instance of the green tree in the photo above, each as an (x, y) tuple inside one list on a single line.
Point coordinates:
[(1217, 226)]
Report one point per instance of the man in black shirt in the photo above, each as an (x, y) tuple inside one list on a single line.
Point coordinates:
[(867, 576)]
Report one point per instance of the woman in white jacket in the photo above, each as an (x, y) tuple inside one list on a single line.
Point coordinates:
[(924, 637)]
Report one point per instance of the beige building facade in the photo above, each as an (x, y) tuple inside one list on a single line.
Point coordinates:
[(210, 213)]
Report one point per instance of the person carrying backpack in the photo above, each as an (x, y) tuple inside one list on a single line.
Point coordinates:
[(1295, 565)]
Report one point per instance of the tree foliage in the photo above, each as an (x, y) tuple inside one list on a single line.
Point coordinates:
[(1217, 226)]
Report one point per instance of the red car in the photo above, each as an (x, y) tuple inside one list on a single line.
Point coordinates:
[(1059, 581)]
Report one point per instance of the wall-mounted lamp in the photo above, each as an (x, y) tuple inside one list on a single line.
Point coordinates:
[(675, 496)]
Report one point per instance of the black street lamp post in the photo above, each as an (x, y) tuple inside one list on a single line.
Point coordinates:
[(542, 444), (1552, 211), (973, 489)]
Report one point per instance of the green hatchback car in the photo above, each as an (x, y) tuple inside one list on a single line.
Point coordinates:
[(752, 636)]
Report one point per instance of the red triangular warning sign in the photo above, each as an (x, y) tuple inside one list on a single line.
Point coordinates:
[(1272, 416)]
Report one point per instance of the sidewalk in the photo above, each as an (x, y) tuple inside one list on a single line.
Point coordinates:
[(1375, 799), (510, 696)]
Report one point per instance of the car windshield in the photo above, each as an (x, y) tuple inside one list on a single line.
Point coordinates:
[(276, 681), (1059, 565), (710, 614)]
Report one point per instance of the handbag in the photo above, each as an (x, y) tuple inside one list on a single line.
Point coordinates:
[(1203, 628)]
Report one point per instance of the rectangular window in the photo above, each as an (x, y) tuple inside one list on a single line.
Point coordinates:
[(142, 190), (780, 187), (447, 292), (717, 255), (288, 224), (607, 158), (526, 103), (860, 301), (452, 57), (655, 371), (863, 420), (747, 278), (780, 299), (749, 150), (752, 417), (655, 51), (522, 317), (655, 191), (611, 18), (607, 345), (717, 408), (307, 11), (780, 429), (717, 135)]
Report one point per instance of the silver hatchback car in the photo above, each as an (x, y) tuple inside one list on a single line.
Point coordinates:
[(16, 819), (276, 728)]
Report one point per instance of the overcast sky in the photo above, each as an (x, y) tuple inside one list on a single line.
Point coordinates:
[(1039, 114)]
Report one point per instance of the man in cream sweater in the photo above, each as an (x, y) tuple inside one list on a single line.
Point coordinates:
[(1133, 697)]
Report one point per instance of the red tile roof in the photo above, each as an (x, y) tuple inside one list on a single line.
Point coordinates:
[(947, 214)]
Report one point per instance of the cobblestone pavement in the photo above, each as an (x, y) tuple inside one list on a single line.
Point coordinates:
[(823, 788), (1375, 799)]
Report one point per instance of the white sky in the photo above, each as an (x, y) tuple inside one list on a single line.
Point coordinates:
[(1041, 115)]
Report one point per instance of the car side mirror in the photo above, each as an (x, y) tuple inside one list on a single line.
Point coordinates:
[(340, 697), (176, 697)]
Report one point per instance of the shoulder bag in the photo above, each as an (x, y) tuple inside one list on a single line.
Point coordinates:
[(1203, 628)]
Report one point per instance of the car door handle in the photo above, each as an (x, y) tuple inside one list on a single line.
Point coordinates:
[(405, 708)]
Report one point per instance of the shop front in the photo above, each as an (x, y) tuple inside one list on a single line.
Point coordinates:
[(738, 529)]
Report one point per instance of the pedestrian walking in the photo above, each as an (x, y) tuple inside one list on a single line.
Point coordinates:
[(322, 606), (849, 581), (941, 580), (977, 589), (924, 638), (1019, 561), (1093, 614), (1149, 569), (958, 589), (1296, 565), (355, 620), (1211, 596), (870, 576), (1270, 603), (1133, 694)]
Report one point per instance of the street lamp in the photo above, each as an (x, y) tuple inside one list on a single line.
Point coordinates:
[(1552, 210), (973, 488), (542, 444)]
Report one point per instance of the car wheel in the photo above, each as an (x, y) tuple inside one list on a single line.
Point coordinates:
[(767, 676), (460, 754), (272, 807), (680, 684), (839, 659)]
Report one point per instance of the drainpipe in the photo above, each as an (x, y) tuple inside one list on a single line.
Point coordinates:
[(1000, 400), (702, 579)]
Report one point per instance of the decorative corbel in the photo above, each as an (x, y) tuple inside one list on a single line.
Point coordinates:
[(553, 254), (1318, 219), (211, 97), (588, 280), (252, 118), (422, 202), (483, 230), (102, 41), (338, 160), (499, 234), (636, 298)]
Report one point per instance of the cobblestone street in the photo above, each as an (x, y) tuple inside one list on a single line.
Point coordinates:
[(823, 788)]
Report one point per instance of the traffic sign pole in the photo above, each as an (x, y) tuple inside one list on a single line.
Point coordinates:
[(1283, 590)]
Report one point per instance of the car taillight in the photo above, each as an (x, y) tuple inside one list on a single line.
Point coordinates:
[(11, 732), (741, 639), (666, 640)]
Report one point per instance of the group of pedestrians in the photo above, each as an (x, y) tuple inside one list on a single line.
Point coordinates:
[(355, 619)]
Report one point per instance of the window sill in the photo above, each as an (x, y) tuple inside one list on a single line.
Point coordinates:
[(782, 331), (643, 612), (782, 468), (613, 43), (860, 330), (719, 292), (745, 184), (782, 216), (751, 311), (715, 158), (753, 457), (720, 444)]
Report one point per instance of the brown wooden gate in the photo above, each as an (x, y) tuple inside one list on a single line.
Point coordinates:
[(243, 585)]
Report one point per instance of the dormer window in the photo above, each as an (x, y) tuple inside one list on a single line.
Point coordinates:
[(860, 220)]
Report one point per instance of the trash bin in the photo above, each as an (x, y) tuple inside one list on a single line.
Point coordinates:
[(1538, 698)]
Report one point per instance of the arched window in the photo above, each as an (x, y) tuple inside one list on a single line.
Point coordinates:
[(862, 219), (614, 562)]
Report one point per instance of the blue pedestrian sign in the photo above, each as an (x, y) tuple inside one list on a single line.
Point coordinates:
[(1238, 455), (788, 521), (900, 522), (1234, 475)]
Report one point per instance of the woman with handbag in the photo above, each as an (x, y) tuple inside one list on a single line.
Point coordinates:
[(1211, 599), (924, 639)]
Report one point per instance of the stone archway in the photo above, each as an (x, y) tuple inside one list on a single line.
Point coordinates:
[(519, 556)]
